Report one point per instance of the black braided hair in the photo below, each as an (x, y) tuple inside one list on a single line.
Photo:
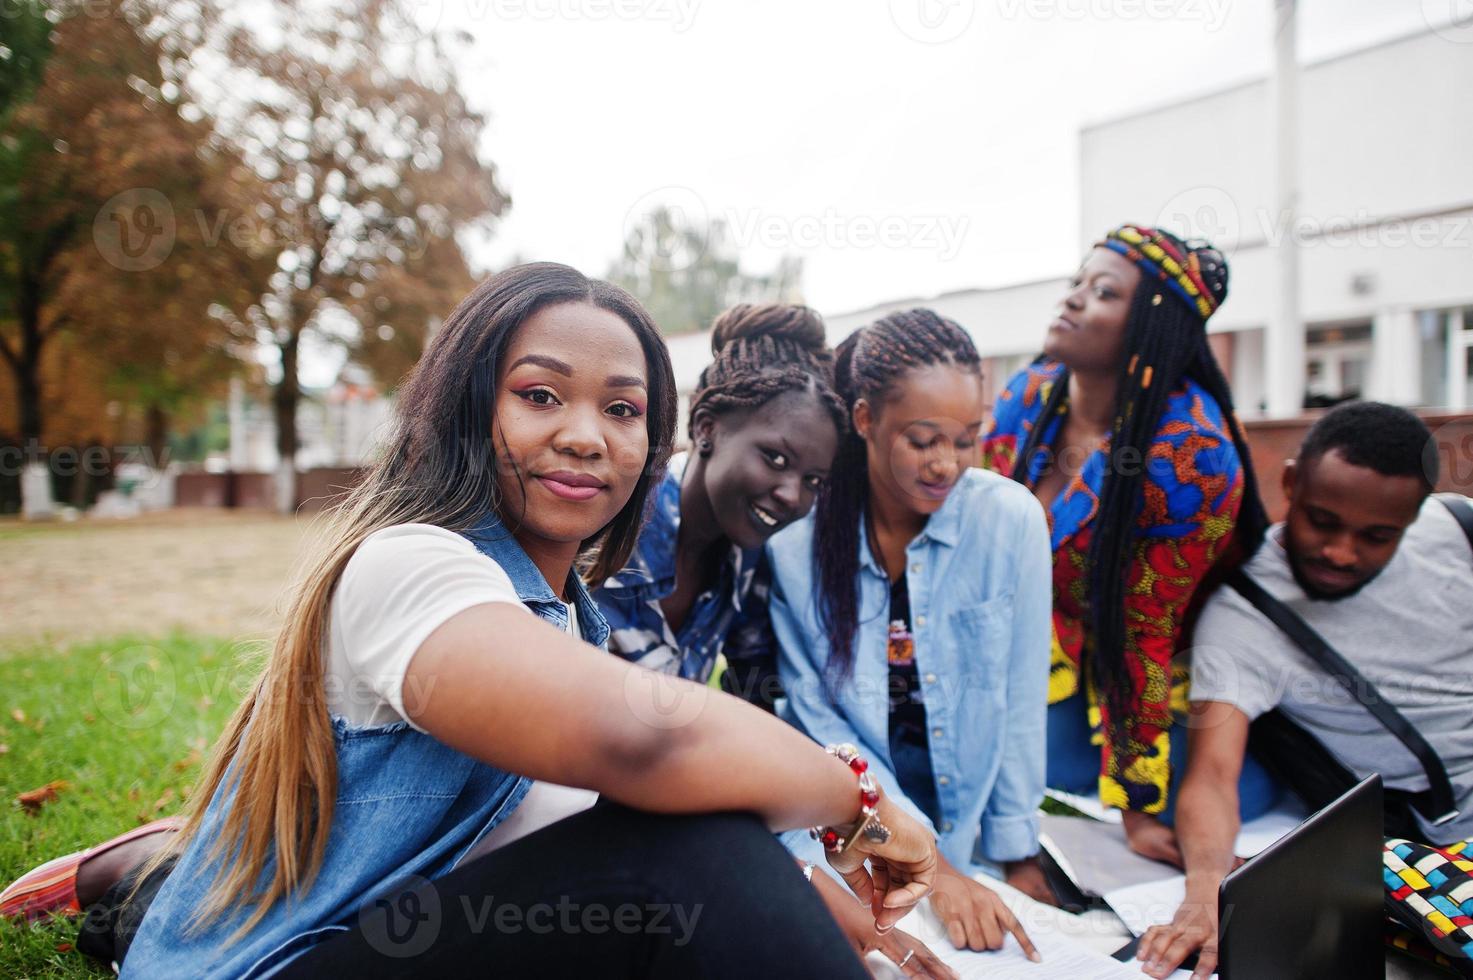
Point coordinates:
[(1165, 342), (763, 351), (867, 364)]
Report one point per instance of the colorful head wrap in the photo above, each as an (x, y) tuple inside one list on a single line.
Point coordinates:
[(1194, 271)]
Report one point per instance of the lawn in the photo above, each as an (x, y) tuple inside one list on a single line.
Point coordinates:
[(123, 724)]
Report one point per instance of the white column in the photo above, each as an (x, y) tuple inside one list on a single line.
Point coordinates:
[(1284, 334), (35, 492), (1458, 342), (240, 448), (1395, 357)]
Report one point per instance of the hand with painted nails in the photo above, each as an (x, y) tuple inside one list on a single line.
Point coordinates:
[(901, 869)]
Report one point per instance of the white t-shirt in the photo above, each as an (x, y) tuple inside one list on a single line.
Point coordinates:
[(401, 585), (1410, 632)]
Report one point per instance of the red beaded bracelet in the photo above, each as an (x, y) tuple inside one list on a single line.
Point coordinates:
[(868, 824)]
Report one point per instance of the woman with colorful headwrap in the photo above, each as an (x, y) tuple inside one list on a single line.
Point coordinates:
[(1124, 430)]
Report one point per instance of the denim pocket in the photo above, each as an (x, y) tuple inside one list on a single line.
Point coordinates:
[(983, 634)]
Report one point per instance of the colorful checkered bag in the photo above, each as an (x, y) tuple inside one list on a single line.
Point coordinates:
[(1429, 890)]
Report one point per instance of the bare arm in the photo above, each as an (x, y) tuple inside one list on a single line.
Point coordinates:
[(507, 688), (1207, 828)]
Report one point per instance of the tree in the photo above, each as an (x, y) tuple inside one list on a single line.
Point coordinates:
[(686, 271), (367, 154), (101, 168)]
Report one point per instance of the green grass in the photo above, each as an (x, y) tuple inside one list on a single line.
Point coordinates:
[(124, 723)]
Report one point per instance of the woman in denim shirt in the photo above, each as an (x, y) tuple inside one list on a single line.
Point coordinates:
[(912, 612), (426, 682)]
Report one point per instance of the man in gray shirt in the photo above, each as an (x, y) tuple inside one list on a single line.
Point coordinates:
[(1384, 573)]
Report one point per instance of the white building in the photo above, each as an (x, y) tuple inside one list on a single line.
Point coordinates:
[(1384, 227), (336, 426)]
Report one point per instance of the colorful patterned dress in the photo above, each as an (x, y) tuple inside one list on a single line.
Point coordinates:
[(1193, 488)]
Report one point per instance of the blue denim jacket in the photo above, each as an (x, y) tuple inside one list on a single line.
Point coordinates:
[(408, 807), (980, 599)]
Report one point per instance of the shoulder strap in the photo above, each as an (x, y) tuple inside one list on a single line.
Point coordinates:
[(1354, 682), (1461, 510)]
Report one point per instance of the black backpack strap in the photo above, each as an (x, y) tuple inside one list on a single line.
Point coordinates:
[(1461, 510), (1440, 792)]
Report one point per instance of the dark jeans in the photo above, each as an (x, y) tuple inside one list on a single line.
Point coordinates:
[(610, 892)]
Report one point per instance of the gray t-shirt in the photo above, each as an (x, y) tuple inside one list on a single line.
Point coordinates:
[(1410, 632)]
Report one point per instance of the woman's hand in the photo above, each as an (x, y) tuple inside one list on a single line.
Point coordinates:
[(974, 915), (857, 922), (1027, 876), (901, 871), (1151, 838)]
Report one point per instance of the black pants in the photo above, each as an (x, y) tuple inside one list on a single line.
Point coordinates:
[(611, 892)]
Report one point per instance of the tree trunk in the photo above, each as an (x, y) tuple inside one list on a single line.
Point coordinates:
[(156, 431), (284, 400)]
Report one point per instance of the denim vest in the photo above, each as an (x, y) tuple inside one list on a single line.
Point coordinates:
[(408, 808)]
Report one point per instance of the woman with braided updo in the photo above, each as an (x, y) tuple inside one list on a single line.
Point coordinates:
[(1124, 430), (765, 422), (912, 613)]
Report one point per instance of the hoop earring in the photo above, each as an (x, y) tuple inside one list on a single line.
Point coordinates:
[(703, 446)]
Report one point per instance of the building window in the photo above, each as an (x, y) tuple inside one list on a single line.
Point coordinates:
[(1446, 338), (1337, 362)]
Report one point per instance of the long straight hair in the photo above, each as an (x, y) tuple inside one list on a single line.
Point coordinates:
[(437, 467)]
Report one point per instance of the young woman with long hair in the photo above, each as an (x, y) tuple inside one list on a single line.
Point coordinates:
[(912, 612), (440, 659), (1124, 430)]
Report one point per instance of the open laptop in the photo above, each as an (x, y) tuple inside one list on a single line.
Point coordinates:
[(1310, 904)]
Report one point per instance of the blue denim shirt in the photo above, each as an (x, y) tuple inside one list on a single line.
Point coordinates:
[(719, 619), (408, 808), (980, 599)]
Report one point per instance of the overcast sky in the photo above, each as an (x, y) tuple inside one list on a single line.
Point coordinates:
[(902, 147)]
